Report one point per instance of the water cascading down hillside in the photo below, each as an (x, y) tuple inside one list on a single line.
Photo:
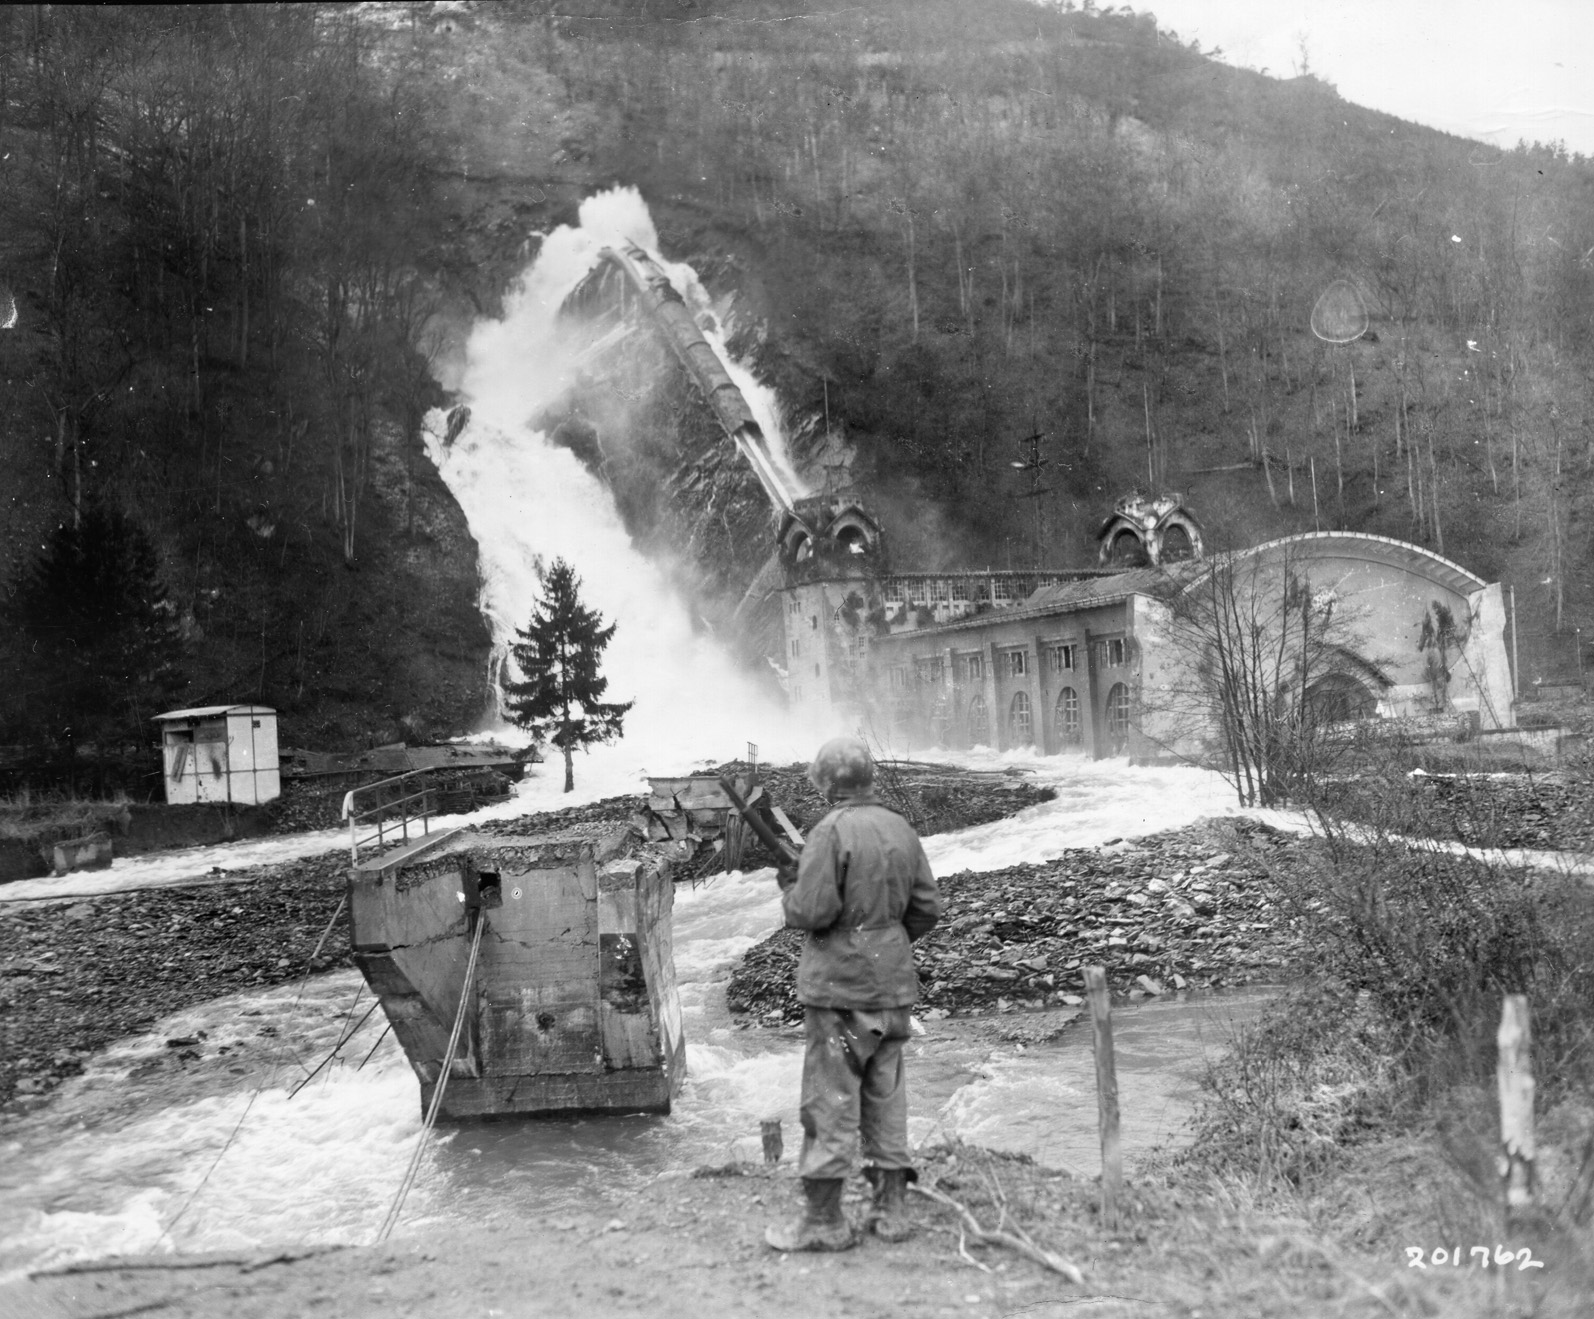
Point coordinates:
[(533, 469), (628, 295)]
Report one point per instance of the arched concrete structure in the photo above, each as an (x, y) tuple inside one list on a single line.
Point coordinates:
[(1165, 530), (1383, 591), (834, 536), (1385, 550)]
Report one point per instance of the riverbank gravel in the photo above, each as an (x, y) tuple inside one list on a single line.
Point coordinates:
[(1548, 812)]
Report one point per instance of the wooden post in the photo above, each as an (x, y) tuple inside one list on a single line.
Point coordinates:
[(1515, 1076), (1112, 1167), (1516, 666), (774, 1146)]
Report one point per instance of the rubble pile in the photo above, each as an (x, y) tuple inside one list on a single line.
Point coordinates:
[(935, 799), (1548, 812), (619, 810), (305, 806), (317, 803), (1187, 909), (1545, 811)]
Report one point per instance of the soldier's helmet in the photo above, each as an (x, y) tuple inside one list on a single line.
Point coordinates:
[(843, 764)]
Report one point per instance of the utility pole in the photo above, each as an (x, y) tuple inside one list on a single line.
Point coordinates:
[(1034, 464), (1516, 664)]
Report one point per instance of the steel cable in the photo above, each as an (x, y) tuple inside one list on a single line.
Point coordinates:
[(397, 1207)]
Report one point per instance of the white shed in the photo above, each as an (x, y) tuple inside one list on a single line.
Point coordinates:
[(221, 753)]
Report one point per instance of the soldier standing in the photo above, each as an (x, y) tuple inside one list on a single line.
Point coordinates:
[(863, 890)]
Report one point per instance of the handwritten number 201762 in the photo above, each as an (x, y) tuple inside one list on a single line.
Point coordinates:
[(1418, 1258)]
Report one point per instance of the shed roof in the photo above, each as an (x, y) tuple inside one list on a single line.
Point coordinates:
[(212, 711)]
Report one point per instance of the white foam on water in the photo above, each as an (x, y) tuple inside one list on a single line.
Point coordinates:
[(107, 1167), (1096, 802), (529, 501)]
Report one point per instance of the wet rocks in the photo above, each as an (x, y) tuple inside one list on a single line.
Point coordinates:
[(80, 975), (1552, 812), (1191, 908)]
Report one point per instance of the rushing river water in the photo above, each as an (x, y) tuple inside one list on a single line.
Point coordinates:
[(110, 1162)]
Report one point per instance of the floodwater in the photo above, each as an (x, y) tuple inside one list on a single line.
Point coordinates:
[(124, 1158)]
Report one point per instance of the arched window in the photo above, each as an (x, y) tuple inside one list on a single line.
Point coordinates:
[(1128, 550), (979, 723), (1176, 543), (1020, 722), (853, 539), (1337, 698), (1069, 731), (1118, 718)]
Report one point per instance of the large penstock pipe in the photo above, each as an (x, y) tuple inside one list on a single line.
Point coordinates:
[(669, 314)]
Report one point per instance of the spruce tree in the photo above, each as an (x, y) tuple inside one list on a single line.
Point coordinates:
[(95, 637), (561, 698)]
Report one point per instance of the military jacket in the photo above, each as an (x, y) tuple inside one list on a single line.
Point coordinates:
[(864, 892)]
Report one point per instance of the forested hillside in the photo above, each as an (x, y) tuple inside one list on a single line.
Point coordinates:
[(220, 237), (949, 232), (240, 240)]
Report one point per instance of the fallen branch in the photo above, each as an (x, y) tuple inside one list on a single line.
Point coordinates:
[(243, 1264), (142, 1308), (963, 1250), (138, 1265), (1020, 1242), (289, 1257)]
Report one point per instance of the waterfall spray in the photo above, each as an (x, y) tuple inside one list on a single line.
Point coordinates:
[(528, 501)]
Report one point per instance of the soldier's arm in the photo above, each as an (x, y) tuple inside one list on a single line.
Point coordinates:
[(924, 898), (814, 901)]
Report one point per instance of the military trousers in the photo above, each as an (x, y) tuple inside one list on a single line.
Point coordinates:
[(854, 1090)]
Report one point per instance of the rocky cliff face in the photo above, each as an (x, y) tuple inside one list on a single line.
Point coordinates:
[(687, 496)]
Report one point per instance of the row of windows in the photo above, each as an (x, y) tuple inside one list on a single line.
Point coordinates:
[(1062, 658), (1070, 731), (945, 590), (933, 591)]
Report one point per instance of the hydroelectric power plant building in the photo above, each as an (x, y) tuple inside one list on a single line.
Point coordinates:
[(1096, 662)]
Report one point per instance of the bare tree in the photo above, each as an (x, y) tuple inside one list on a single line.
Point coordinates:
[(1265, 664)]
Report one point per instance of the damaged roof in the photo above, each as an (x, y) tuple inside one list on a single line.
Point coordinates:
[(1068, 597), (1160, 582)]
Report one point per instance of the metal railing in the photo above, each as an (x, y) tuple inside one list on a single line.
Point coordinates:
[(390, 805)]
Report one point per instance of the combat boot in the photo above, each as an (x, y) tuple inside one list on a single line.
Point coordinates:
[(888, 1216), (823, 1226)]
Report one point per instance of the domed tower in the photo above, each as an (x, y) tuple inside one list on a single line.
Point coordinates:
[(832, 556), (1145, 532)]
